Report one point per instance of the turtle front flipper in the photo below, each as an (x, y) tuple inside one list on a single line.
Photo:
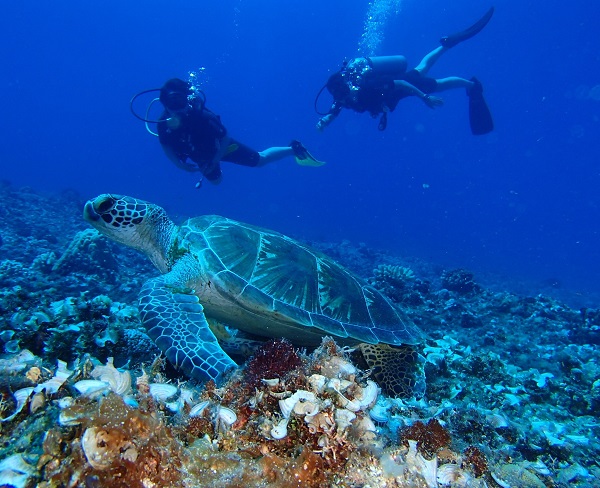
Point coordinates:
[(175, 321)]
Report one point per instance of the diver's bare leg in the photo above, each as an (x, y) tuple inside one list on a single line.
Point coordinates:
[(272, 154), (430, 59), (453, 82)]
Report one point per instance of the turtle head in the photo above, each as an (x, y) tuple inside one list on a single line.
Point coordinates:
[(135, 223)]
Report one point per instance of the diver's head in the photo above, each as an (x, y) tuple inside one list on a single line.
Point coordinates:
[(175, 95), (337, 86)]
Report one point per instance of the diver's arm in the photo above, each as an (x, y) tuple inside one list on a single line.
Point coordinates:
[(330, 117), (412, 90), (179, 162)]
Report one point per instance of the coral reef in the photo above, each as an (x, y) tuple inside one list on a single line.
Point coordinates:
[(460, 280), (399, 284), (113, 445), (510, 395), (88, 253)]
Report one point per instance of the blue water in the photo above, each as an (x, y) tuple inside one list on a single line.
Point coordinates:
[(522, 202)]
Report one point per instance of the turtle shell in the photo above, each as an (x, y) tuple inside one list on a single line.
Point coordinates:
[(287, 285)]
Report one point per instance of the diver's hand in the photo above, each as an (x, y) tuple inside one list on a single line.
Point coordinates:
[(432, 101)]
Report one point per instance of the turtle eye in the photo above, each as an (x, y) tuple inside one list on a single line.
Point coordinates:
[(105, 205)]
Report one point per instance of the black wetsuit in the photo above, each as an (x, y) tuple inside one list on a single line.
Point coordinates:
[(377, 95), (197, 137)]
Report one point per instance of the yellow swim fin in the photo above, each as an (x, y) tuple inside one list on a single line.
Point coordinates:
[(303, 157)]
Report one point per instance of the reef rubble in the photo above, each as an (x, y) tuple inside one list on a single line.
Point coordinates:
[(512, 393)]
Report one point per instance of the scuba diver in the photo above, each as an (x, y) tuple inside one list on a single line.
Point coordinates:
[(187, 129), (377, 84)]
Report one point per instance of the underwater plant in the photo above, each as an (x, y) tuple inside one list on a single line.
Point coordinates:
[(430, 437), (274, 359)]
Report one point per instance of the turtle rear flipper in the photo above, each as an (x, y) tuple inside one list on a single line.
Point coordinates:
[(397, 369), (175, 321)]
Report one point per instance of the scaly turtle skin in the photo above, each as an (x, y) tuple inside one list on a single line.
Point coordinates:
[(253, 279)]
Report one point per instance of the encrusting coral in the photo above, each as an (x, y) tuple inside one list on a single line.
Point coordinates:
[(88, 252)]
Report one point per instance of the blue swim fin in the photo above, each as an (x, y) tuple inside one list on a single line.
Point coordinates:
[(454, 39), (480, 117)]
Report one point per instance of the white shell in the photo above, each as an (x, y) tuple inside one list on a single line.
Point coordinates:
[(53, 384), (425, 467), (38, 400), (365, 424), (187, 396), (21, 396), (67, 418), (317, 382), (91, 388), (368, 395), (435, 358), (13, 479), (287, 405), (452, 475), (334, 384), (16, 463), (343, 418), (257, 398), (198, 409), (162, 391), (271, 382), (226, 416), (352, 405), (346, 368), (97, 448), (175, 406), (321, 422), (379, 413), (15, 472), (120, 382), (306, 408), (337, 366), (279, 430), (303, 395), (18, 362)]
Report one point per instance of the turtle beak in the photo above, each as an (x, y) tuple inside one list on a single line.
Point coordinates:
[(89, 212)]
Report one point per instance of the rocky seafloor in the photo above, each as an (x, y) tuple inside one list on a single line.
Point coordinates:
[(512, 394)]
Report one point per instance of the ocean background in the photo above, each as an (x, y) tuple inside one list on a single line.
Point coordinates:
[(520, 205)]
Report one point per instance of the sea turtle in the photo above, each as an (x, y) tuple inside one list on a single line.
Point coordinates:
[(253, 279)]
